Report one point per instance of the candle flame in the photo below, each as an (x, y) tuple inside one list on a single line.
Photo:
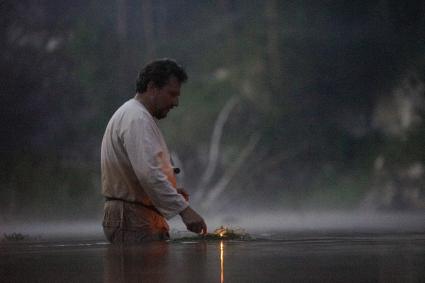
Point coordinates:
[(221, 232), (230, 234)]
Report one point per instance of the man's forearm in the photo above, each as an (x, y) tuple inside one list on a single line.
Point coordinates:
[(193, 221)]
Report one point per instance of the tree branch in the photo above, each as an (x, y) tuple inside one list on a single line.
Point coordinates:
[(221, 185), (215, 145)]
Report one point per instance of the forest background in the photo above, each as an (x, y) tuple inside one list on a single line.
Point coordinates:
[(291, 105)]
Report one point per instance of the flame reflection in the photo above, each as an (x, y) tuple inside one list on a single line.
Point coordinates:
[(221, 261)]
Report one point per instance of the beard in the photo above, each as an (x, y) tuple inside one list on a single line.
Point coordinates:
[(161, 114)]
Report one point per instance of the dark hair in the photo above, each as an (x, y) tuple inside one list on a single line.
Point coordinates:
[(159, 72)]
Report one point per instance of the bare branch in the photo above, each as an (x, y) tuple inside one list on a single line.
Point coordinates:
[(221, 185), (215, 145)]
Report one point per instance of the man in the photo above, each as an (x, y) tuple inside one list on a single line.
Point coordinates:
[(138, 179)]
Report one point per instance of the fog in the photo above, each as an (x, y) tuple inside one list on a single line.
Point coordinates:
[(269, 226), (296, 116)]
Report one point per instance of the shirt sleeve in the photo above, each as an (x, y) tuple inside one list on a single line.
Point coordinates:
[(147, 156)]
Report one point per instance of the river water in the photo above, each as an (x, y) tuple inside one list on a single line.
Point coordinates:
[(279, 256)]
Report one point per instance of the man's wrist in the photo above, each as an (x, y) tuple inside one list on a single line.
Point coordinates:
[(185, 211)]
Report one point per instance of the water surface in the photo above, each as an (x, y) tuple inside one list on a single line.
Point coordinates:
[(272, 257)]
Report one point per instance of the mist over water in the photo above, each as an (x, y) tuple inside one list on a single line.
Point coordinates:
[(348, 221), (309, 246), (262, 225)]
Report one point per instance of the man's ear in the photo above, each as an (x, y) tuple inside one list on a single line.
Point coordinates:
[(151, 86)]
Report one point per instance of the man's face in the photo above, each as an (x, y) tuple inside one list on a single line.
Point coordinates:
[(166, 98)]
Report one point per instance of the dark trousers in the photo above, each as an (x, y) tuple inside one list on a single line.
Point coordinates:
[(126, 222)]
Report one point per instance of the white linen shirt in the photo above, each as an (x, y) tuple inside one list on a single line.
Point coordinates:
[(135, 161)]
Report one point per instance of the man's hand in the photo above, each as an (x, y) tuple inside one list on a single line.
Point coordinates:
[(193, 221), (183, 193)]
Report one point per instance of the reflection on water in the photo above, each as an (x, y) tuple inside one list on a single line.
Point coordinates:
[(284, 258), (153, 262), (160, 262), (221, 261), (135, 263)]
